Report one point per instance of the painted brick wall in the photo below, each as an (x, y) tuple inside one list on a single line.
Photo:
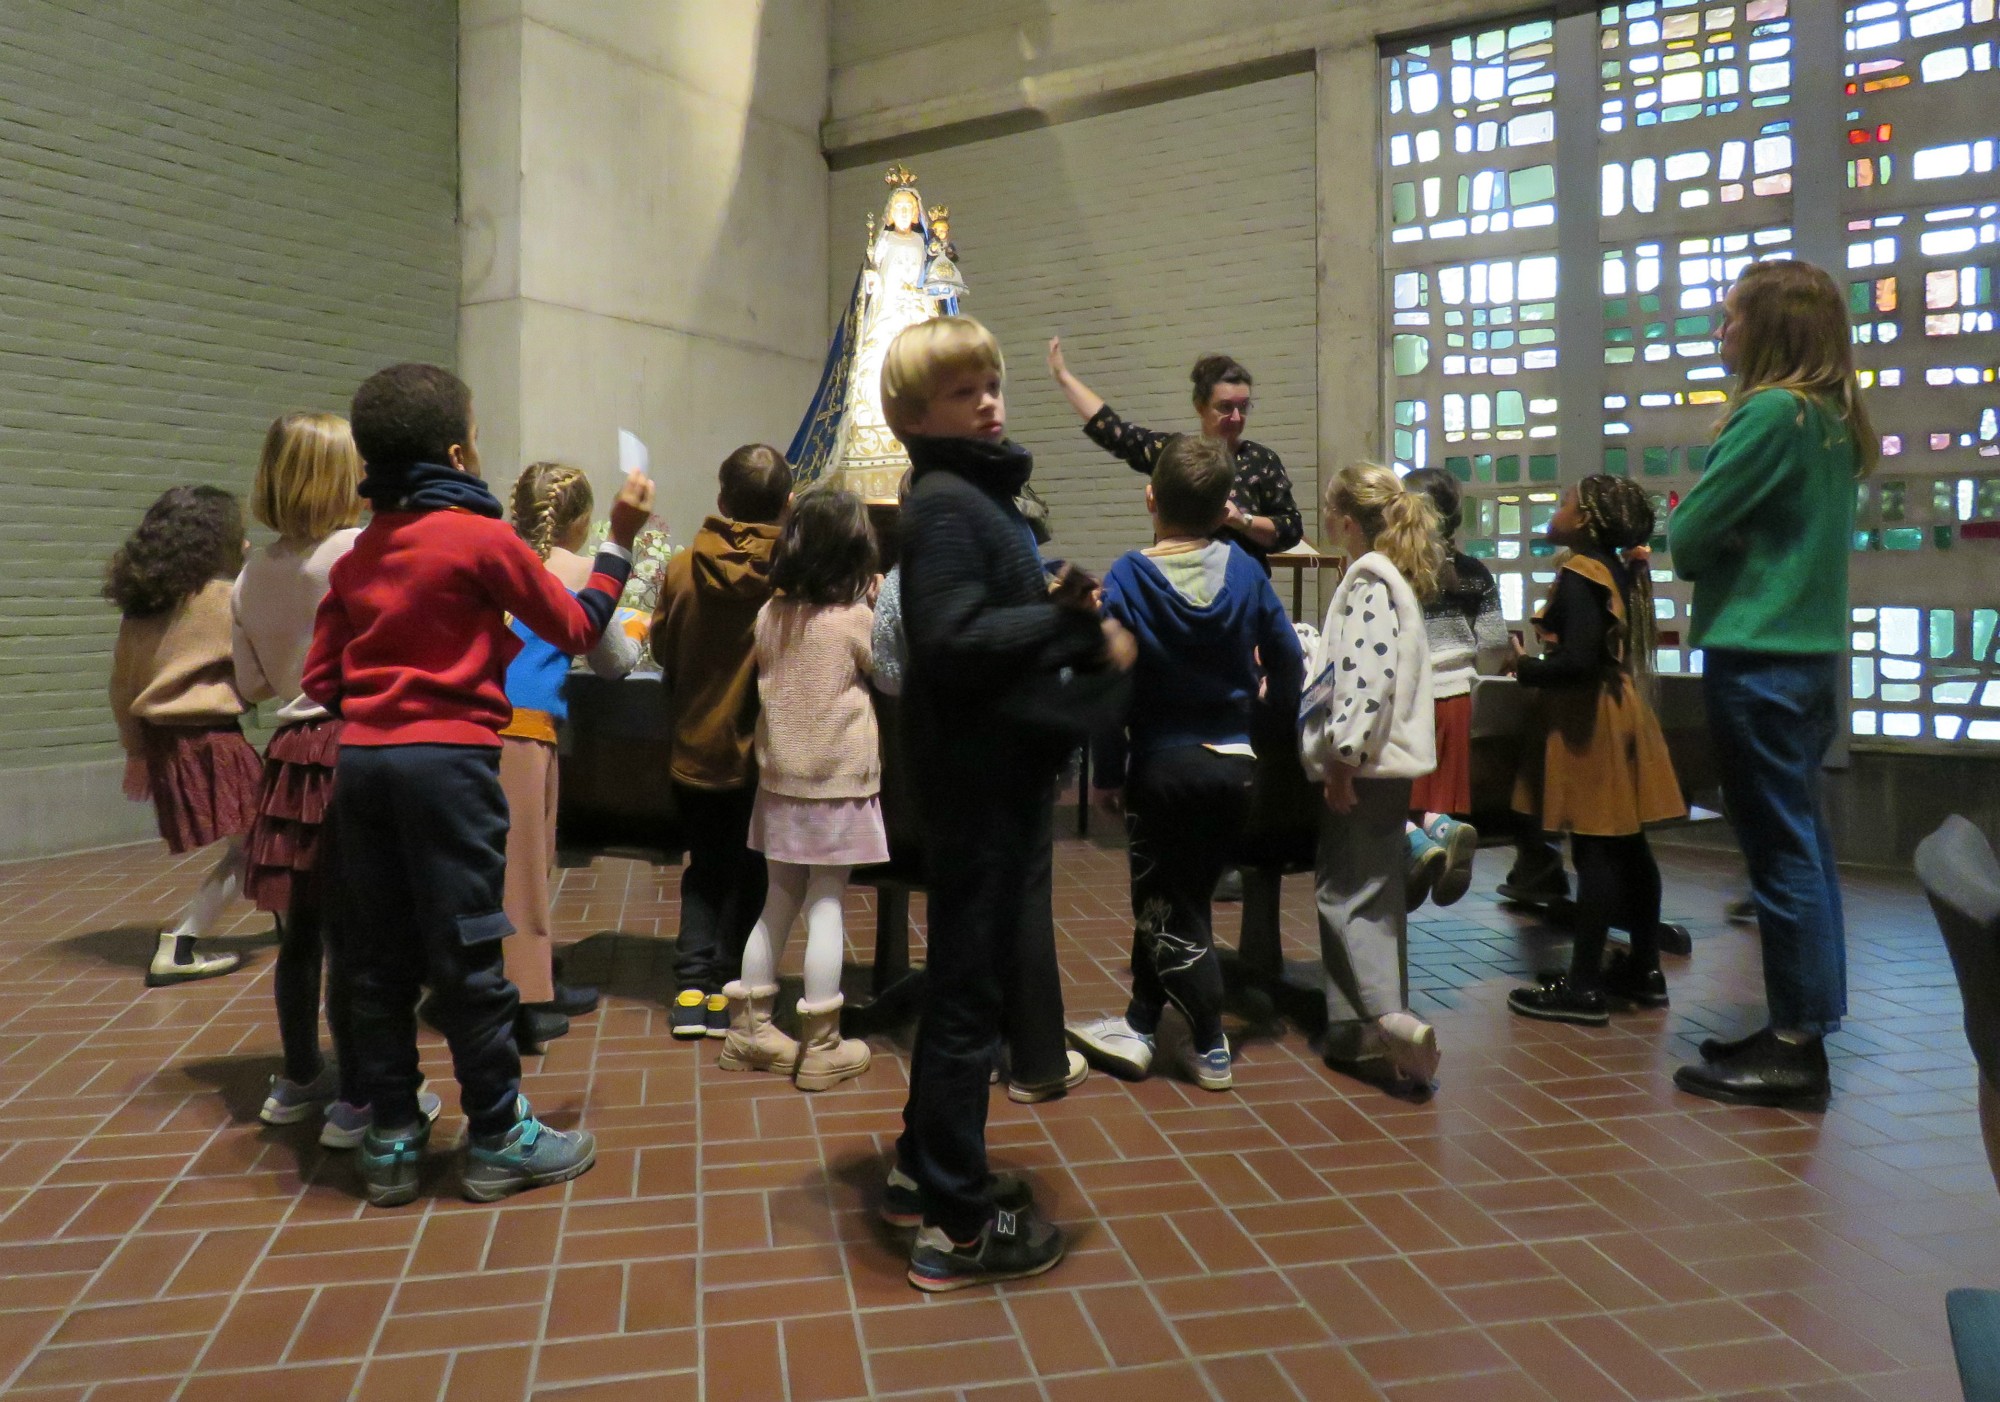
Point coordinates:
[(209, 213), (1144, 238)]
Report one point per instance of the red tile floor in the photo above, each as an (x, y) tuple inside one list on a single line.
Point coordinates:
[(1557, 1223)]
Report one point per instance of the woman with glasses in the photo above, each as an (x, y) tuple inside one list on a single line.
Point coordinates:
[(1262, 515)]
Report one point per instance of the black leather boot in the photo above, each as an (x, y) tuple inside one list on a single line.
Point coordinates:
[(1768, 1071)]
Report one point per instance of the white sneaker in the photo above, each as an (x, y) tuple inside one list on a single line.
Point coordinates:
[(1075, 1070), (347, 1125), (1112, 1044), (1412, 1046)]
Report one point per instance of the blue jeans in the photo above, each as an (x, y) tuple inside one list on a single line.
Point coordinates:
[(1772, 717)]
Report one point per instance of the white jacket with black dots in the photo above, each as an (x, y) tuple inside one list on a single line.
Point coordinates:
[(1369, 702)]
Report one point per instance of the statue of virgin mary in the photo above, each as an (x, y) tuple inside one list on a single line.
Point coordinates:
[(906, 276)]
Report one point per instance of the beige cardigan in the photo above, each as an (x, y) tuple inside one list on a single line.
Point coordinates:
[(176, 668), (816, 735)]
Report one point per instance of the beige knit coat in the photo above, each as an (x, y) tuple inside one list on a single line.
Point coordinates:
[(816, 734)]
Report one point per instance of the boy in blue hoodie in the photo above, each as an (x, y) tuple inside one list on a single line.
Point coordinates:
[(1212, 638)]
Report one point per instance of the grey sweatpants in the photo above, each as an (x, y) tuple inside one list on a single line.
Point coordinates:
[(1363, 931)]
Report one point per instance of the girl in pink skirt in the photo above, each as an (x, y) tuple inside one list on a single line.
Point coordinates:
[(174, 697), (818, 813)]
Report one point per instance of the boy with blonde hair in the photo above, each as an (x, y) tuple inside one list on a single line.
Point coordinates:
[(1006, 671)]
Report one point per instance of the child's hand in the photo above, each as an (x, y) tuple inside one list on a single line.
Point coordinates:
[(1511, 663), (1339, 789), (1121, 649), (1074, 589), (633, 508)]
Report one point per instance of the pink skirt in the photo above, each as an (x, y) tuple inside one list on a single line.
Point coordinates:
[(292, 802), (204, 783), (819, 832)]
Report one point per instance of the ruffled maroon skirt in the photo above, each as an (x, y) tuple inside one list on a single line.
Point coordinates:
[(204, 783), (292, 804)]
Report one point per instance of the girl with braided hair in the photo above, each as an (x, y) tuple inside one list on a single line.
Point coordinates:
[(1602, 772), (551, 510)]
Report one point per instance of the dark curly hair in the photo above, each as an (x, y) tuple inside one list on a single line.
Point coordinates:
[(410, 413), (826, 552), (188, 537), (1620, 518)]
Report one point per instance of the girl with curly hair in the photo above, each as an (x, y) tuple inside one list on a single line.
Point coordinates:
[(1602, 772), (174, 697)]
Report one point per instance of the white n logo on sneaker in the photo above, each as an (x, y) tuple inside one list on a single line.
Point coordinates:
[(1003, 1223)]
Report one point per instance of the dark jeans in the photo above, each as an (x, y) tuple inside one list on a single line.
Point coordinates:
[(423, 843), (1772, 717), (306, 940), (1617, 884), (1031, 1017), (722, 885), (989, 823), (1184, 812)]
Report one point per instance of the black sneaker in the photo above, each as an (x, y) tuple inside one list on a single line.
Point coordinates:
[(1011, 1246), (390, 1161), (572, 1000), (1556, 1001), (903, 1202), (1625, 982), (536, 1027), (688, 1018), (718, 1015)]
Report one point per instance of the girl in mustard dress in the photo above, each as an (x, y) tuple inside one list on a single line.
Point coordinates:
[(1602, 771)]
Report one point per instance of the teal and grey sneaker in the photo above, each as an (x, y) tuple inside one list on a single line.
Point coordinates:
[(1211, 1068), (1460, 842), (528, 1155), (1011, 1245), (289, 1102), (1114, 1044), (1426, 865), (347, 1124), (390, 1161)]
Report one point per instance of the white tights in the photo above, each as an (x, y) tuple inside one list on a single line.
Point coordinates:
[(818, 890), (217, 890)]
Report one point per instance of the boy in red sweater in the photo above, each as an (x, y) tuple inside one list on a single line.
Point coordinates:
[(410, 649)]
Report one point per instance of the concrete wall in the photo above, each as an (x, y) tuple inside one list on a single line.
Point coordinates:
[(212, 214), (644, 231)]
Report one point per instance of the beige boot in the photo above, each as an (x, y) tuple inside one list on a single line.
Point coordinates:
[(754, 1042), (827, 1058)]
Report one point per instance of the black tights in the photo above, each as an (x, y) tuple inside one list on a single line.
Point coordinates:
[(1617, 884), (304, 945)]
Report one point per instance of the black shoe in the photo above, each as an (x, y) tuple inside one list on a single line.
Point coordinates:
[(536, 1027), (1717, 1049), (1770, 1071), (1625, 982), (903, 1201), (1675, 939), (1230, 888), (1537, 888), (1557, 1001), (1742, 911), (1010, 1246), (578, 1000)]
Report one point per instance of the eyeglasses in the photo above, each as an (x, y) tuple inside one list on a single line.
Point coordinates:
[(1225, 411)]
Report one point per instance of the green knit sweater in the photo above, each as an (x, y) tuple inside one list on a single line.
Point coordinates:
[(1765, 534)]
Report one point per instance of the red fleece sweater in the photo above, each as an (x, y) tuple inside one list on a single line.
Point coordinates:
[(411, 643)]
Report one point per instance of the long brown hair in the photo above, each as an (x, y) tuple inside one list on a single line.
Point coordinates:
[(188, 537), (1401, 525), (1794, 336), (1620, 518)]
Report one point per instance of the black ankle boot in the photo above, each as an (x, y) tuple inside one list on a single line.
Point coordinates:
[(1767, 1071), (1626, 982)]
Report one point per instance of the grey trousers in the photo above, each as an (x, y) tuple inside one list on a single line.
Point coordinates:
[(1363, 929)]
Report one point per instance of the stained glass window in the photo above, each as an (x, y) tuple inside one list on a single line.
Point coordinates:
[(1701, 118)]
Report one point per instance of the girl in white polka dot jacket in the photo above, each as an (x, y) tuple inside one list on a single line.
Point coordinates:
[(1365, 731)]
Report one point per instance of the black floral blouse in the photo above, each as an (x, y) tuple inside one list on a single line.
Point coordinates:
[(1263, 488)]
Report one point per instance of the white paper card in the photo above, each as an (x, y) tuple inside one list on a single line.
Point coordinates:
[(632, 454)]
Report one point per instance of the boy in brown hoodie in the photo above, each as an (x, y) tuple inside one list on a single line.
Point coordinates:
[(703, 638)]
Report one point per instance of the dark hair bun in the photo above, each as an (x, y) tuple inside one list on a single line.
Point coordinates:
[(1213, 370)]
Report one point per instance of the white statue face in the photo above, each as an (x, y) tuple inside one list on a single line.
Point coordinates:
[(902, 211)]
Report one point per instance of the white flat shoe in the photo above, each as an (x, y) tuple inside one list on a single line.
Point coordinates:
[(1412, 1046)]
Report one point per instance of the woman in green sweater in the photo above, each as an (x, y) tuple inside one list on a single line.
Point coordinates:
[(1764, 537)]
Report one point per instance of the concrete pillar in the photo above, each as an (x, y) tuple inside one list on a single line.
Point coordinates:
[(643, 225)]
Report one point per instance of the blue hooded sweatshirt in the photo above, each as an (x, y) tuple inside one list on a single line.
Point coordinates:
[(1203, 620)]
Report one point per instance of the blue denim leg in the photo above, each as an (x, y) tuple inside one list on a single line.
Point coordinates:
[(1772, 718)]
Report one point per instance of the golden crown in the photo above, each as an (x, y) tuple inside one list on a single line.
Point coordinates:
[(899, 176), (938, 212)]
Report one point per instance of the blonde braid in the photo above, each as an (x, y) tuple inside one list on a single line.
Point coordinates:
[(549, 497)]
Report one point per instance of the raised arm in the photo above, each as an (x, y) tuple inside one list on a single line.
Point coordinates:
[(1139, 447), (521, 584), (1081, 396)]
